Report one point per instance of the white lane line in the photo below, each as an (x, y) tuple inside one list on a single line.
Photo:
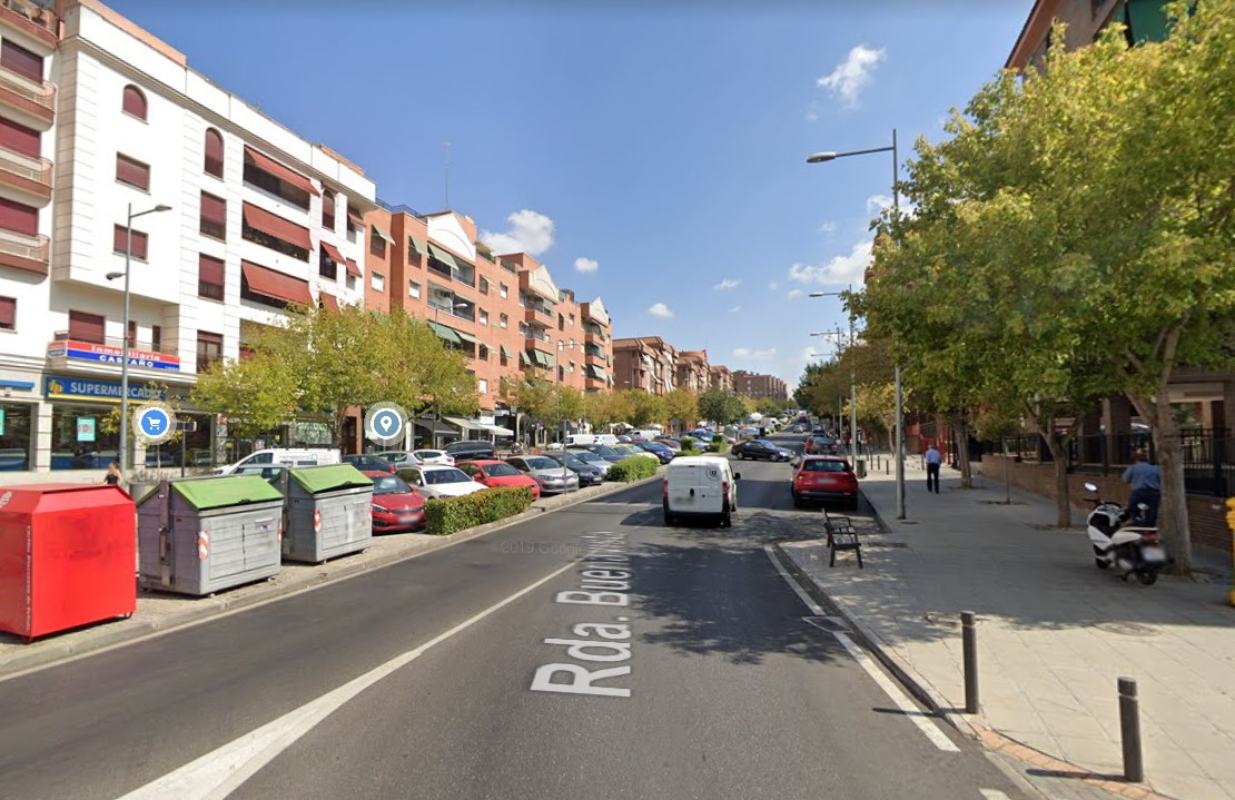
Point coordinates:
[(894, 693), (992, 794), (220, 772)]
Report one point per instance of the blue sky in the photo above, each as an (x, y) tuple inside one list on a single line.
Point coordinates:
[(664, 144)]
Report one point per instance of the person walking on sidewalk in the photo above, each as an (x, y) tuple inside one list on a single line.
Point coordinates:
[(933, 459), (1146, 482)]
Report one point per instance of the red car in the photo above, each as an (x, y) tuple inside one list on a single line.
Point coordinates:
[(397, 507), (494, 473), (823, 478)]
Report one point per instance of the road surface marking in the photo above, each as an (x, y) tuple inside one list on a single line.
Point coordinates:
[(993, 794), (220, 772), (902, 701)]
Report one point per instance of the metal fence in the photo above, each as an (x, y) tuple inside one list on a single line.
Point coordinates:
[(1207, 455)]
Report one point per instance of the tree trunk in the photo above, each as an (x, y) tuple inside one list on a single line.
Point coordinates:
[(961, 430), (1173, 513), (1059, 460)]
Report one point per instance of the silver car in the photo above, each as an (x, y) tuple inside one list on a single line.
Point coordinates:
[(552, 476), (588, 457)]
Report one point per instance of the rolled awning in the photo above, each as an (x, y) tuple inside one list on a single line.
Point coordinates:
[(333, 252), (505, 352), (380, 231), (418, 245), (524, 359), (500, 431), (467, 337), (442, 256), (328, 301), (275, 285), (352, 269), (268, 164), (542, 359), (446, 333), (274, 225), (466, 424), (354, 217), (596, 372)]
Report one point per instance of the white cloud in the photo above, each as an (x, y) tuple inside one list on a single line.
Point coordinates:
[(812, 116), (773, 285), (727, 283), (755, 355), (530, 232), (828, 227), (735, 309), (586, 264), (876, 203), (839, 270), (660, 310), (794, 294), (853, 74)]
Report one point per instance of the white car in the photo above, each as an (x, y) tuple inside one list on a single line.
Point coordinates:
[(434, 457), (698, 486), (439, 480)]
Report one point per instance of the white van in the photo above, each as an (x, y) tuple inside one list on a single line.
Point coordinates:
[(700, 486), (604, 438), (579, 440), (290, 456)]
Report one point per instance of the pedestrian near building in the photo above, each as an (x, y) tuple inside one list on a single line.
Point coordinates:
[(113, 476), (933, 460), (1146, 482)]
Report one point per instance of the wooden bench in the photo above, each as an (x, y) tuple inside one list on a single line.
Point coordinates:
[(841, 536)]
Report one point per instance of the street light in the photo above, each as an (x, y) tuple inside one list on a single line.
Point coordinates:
[(832, 155), (124, 346)]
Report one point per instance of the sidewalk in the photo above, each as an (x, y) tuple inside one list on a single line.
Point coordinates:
[(1054, 633)]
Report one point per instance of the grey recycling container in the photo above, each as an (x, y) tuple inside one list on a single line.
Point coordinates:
[(200, 535), (328, 512)]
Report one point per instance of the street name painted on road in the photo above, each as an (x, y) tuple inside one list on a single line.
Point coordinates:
[(605, 580)]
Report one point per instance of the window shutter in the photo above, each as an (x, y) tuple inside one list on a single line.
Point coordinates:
[(18, 218), (132, 172), (19, 138), (214, 153), (21, 61), (8, 312), (86, 327), (139, 244), (134, 102)]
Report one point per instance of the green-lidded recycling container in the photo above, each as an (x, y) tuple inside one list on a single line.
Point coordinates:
[(328, 512), (200, 535)]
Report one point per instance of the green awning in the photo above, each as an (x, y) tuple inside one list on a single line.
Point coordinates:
[(418, 245), (442, 256), (596, 372), (467, 337), (524, 358), (542, 359), (505, 352), (382, 233), (325, 479), (449, 334), (233, 490)]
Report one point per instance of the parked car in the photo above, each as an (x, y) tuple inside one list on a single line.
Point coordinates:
[(662, 452), (440, 480), (761, 448), (494, 473), (397, 507), (398, 457), (606, 451), (588, 457), (697, 486), (589, 474), (271, 473), (673, 443), (628, 450), (368, 462), (624, 439), (470, 450), (822, 478), (434, 457), (554, 478), (297, 457), (820, 445)]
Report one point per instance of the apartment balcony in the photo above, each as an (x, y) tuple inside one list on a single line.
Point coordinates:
[(593, 337), (153, 358), (23, 252), (534, 341), (593, 384), (31, 19), (598, 359), (536, 315), (34, 100), (30, 176)]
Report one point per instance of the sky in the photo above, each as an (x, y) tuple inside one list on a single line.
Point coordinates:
[(652, 154)]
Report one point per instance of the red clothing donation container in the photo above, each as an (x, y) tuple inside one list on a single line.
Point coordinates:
[(66, 556)]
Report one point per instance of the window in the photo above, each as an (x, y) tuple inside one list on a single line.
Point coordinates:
[(502, 291), (561, 373), (561, 322), (86, 327), (483, 353), (214, 153), (21, 60), (377, 245), (132, 172), (482, 386), (210, 277), (256, 176), (270, 230), (132, 334), (18, 218), (214, 217), (8, 313), (501, 356), (502, 320), (523, 329), (484, 286), (377, 281), (572, 319), (156, 338), (413, 289), (327, 267), (20, 139), (209, 349), (572, 366), (137, 246), (483, 317), (328, 209), (134, 102)]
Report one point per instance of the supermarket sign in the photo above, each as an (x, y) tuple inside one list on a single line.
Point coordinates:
[(57, 388), (107, 354)]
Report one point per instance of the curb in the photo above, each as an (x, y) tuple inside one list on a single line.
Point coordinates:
[(967, 725), (222, 605)]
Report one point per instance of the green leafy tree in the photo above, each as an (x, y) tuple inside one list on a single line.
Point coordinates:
[(721, 407), (681, 408), (646, 408)]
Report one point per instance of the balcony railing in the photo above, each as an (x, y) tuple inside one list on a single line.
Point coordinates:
[(27, 248), (453, 311), (35, 170), (41, 93), (33, 18), (162, 348)]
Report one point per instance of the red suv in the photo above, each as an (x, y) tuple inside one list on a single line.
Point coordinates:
[(397, 507), (823, 478)]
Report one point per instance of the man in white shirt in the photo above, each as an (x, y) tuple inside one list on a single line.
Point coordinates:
[(933, 459)]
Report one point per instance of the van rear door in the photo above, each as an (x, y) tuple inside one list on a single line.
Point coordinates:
[(695, 489)]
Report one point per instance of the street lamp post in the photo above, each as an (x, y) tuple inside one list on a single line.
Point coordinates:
[(831, 155), (124, 342)]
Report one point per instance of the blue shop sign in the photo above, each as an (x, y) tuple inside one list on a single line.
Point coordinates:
[(60, 388)]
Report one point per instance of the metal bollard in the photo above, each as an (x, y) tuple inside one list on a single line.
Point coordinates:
[(969, 645), (1130, 731)]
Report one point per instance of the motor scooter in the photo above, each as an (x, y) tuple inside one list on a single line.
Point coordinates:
[(1134, 549)]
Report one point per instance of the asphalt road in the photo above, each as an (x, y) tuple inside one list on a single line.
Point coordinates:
[(714, 686)]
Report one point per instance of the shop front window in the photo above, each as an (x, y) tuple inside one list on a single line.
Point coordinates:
[(195, 451), (14, 437), (83, 437)]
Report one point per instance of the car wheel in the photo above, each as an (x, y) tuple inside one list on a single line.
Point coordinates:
[(797, 501), (726, 518)]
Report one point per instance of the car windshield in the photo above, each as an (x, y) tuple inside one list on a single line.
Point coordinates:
[(391, 485), (423, 454), (540, 462), (822, 465), (765, 443), (500, 470), (605, 450), (435, 476), (589, 457), (574, 462)]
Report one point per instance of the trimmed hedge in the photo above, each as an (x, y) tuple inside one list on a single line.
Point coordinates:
[(451, 514), (688, 445), (632, 468)]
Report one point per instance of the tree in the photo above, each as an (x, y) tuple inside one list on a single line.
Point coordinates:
[(682, 408), (255, 394), (646, 408), (721, 407), (535, 397), (568, 404)]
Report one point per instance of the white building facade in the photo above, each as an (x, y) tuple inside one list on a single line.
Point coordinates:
[(100, 117)]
